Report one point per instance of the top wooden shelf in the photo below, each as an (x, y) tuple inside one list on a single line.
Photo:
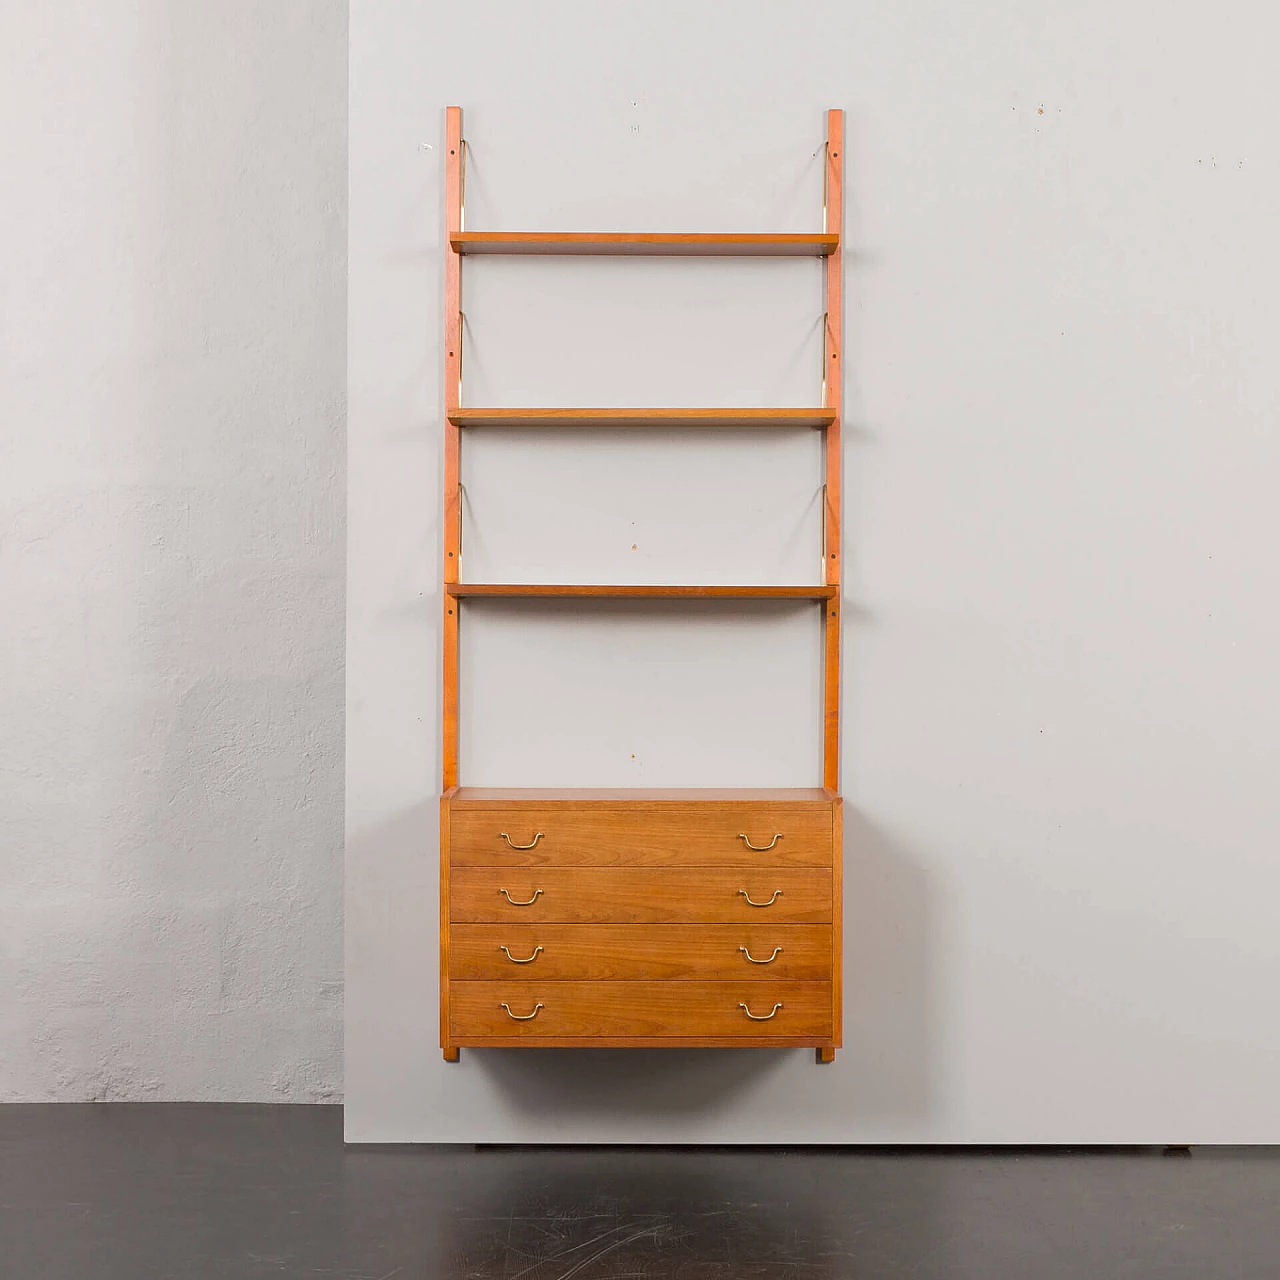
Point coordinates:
[(650, 591), (652, 244)]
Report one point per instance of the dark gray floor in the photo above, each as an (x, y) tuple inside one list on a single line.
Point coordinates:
[(139, 1192)]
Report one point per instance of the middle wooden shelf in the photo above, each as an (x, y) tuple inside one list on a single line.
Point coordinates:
[(524, 417)]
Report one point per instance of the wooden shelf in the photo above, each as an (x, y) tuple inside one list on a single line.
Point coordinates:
[(770, 795), (630, 243), (642, 417), (639, 592)]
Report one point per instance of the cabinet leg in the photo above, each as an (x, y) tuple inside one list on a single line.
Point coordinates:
[(451, 1052), (825, 1054)]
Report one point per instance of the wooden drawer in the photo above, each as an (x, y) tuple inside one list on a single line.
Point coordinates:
[(708, 833), (540, 953), (688, 1010), (640, 895)]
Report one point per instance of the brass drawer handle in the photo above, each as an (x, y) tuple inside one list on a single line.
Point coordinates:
[(524, 1017), (759, 848), (777, 893), (513, 959), (759, 1017), (777, 951), (515, 902), (512, 843)]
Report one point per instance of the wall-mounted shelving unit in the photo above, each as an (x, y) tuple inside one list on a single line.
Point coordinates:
[(623, 917)]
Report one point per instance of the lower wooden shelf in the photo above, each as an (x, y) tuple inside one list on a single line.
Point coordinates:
[(467, 417)]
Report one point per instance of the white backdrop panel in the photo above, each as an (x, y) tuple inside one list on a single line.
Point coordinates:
[(1062, 596)]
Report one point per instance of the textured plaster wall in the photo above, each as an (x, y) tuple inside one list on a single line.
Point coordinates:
[(171, 553)]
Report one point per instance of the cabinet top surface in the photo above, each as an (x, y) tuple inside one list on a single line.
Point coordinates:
[(624, 794)]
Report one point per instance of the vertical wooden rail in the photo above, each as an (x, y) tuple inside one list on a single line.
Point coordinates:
[(832, 344), (832, 339), (452, 537), (452, 476)]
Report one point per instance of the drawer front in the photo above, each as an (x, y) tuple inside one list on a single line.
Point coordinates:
[(540, 953), (640, 895), (710, 833), (622, 1009)]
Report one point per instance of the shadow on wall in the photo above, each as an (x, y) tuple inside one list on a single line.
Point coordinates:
[(891, 948), (392, 962), (883, 1075)]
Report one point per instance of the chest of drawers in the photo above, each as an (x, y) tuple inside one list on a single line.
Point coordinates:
[(630, 918)]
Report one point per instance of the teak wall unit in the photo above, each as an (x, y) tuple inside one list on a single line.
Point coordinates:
[(627, 918)]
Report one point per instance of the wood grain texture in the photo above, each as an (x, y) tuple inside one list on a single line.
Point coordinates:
[(657, 1009), (639, 895), (649, 243), (675, 834), (640, 952), (646, 592), (468, 417)]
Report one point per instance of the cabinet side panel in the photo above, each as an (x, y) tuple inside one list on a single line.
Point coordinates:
[(444, 924), (837, 921)]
